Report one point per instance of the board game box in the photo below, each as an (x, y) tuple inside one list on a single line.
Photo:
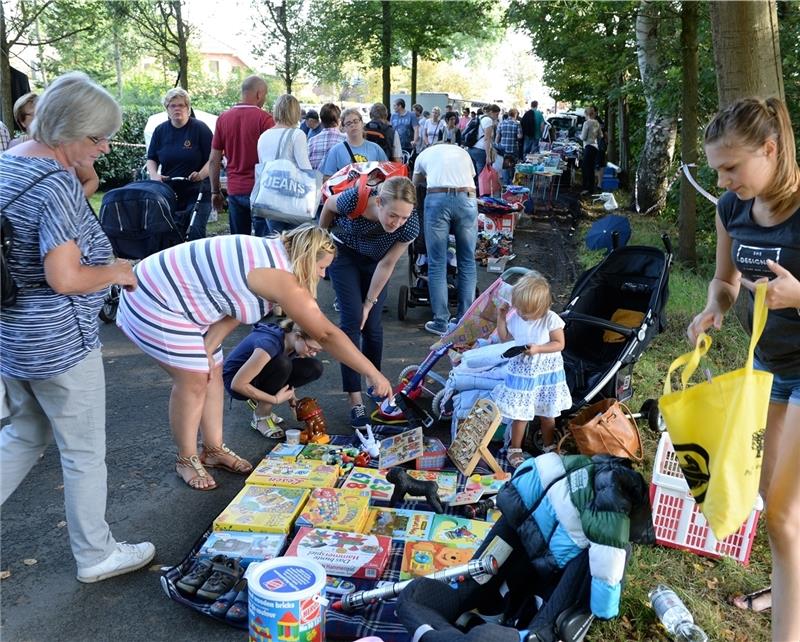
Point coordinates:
[(246, 547), (399, 523), (289, 452), (343, 554), (459, 531), (344, 509), (424, 558), (317, 451), (262, 509), (299, 474), (370, 479)]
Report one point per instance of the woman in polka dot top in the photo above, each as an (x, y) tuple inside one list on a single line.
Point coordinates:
[(368, 245)]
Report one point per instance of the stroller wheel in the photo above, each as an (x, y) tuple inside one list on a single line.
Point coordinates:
[(655, 421), (108, 313), (402, 303)]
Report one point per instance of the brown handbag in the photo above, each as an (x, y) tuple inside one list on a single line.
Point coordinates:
[(607, 427)]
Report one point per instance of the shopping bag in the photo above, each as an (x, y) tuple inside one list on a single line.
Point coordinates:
[(488, 181), (717, 429), (607, 427), (284, 192)]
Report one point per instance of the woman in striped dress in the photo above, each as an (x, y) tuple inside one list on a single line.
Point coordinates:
[(192, 296)]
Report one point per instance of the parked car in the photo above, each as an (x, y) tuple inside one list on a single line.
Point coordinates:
[(571, 122)]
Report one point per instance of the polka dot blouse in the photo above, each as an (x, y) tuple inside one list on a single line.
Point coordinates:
[(368, 237)]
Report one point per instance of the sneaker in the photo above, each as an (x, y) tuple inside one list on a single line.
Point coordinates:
[(127, 558), (436, 327), (358, 416), (267, 427)]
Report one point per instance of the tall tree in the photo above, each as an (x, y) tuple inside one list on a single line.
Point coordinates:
[(284, 23), (687, 214), (659, 146), (386, 50), (161, 24), (746, 50)]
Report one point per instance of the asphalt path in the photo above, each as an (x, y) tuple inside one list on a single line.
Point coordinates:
[(41, 599)]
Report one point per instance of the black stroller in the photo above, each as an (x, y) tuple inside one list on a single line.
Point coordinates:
[(141, 219)]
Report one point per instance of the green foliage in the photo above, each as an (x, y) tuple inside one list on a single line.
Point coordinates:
[(120, 165)]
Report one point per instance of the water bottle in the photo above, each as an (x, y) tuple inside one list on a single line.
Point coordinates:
[(674, 615)]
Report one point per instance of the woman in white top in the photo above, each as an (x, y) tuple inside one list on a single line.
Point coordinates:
[(434, 126), (287, 115), (589, 135)]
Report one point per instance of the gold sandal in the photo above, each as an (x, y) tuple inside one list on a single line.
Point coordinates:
[(196, 465), (240, 465)]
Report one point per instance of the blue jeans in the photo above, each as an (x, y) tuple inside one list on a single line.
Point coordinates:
[(239, 217), (351, 274), (478, 157), (531, 145), (785, 389), (445, 211)]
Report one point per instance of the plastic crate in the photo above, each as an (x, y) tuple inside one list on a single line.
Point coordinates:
[(677, 520)]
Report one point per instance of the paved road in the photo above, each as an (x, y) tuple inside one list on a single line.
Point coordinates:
[(146, 499)]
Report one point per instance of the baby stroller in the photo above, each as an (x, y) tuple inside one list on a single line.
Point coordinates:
[(415, 294), (141, 219)]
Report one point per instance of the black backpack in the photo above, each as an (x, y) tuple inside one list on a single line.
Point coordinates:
[(472, 132), (382, 134)]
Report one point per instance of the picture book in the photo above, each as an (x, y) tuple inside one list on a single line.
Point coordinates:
[(399, 523), (299, 474), (344, 509), (400, 448), (447, 481), (424, 558), (289, 452), (246, 547), (317, 451), (343, 554), (262, 509), (459, 531), (370, 479)]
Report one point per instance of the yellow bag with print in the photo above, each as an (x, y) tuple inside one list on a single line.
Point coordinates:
[(717, 429)]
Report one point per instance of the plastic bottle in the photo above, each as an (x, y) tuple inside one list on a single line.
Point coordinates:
[(674, 615)]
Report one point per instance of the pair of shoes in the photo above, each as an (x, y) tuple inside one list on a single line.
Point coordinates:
[(225, 573), (200, 480), (196, 576), (358, 416), (436, 327), (236, 598), (126, 558), (266, 426), (238, 611), (238, 464), (515, 457), (748, 602)]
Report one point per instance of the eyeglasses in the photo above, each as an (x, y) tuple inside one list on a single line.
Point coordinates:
[(101, 139), (351, 123)]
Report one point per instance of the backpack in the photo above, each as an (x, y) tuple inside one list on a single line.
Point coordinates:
[(364, 176), (382, 134), (472, 132)]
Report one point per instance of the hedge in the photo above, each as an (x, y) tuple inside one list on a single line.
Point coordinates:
[(121, 165)]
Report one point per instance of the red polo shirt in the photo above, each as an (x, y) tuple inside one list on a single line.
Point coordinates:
[(236, 135)]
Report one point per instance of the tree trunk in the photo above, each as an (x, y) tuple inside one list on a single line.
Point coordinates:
[(6, 104), (386, 51), (659, 146), (612, 153), (183, 50), (687, 216), (624, 139), (287, 50), (118, 64), (414, 69), (746, 50)]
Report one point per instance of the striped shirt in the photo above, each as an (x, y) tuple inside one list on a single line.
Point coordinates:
[(185, 289), (319, 145), (44, 333)]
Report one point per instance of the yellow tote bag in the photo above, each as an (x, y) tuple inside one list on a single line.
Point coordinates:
[(717, 429)]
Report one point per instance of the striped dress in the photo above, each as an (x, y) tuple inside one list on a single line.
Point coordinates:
[(185, 289)]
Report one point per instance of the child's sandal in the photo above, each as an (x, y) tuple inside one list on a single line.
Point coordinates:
[(515, 457), (200, 476)]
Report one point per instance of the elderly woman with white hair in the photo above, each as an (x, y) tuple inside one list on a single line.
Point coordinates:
[(52, 368), (181, 147)]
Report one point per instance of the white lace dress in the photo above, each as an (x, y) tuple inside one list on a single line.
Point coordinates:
[(534, 385)]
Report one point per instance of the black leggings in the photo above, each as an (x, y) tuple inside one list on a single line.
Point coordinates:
[(589, 166), (282, 370)]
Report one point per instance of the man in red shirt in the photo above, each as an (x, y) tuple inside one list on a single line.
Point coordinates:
[(236, 135)]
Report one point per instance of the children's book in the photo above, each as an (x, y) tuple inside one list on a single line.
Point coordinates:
[(299, 474), (343, 554), (424, 558), (399, 523), (459, 531), (372, 480), (289, 452), (246, 547), (343, 509), (317, 451), (447, 481), (400, 448), (262, 509)]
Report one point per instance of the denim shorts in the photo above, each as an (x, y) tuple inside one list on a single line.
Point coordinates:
[(785, 388)]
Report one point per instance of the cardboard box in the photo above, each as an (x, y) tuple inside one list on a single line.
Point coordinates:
[(262, 509), (246, 547), (343, 554), (301, 474), (336, 508)]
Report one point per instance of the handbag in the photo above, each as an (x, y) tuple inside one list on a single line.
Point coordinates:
[(284, 192), (717, 429), (607, 427), (488, 181)]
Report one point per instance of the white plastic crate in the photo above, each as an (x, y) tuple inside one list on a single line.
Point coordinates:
[(677, 520)]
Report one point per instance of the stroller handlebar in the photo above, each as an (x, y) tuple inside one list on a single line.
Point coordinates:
[(603, 323)]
